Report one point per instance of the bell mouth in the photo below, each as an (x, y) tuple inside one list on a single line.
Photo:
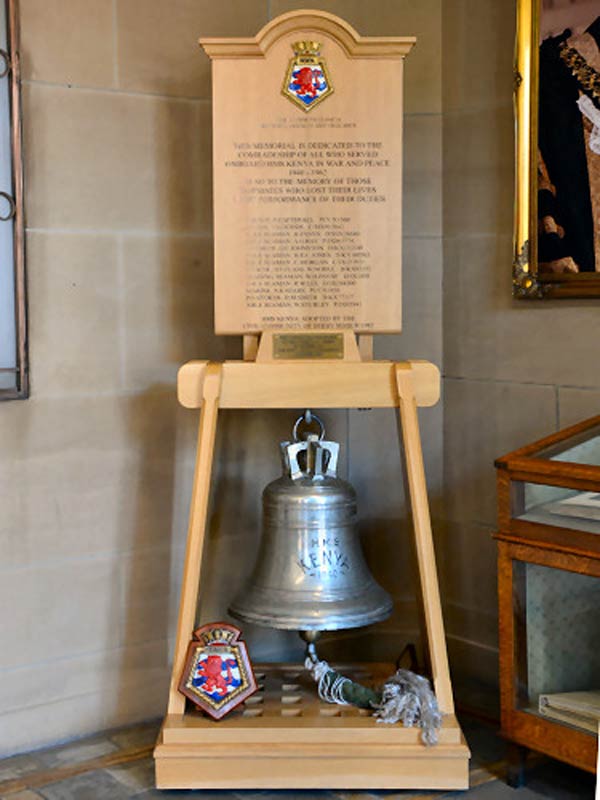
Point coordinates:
[(303, 611)]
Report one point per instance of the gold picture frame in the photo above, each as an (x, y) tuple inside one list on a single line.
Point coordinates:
[(528, 281)]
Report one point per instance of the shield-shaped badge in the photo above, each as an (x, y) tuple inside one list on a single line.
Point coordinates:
[(218, 675), (307, 80)]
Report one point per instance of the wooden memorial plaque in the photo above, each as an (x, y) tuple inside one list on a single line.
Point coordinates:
[(307, 125)]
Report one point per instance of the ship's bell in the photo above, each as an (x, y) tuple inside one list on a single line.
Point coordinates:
[(310, 573)]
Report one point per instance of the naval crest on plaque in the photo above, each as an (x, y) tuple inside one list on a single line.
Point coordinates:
[(218, 675), (307, 80)]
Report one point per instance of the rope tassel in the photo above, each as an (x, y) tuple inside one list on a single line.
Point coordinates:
[(405, 697)]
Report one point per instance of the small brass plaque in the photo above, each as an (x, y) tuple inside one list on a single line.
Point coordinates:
[(289, 346)]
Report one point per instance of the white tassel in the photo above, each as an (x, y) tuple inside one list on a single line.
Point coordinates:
[(408, 698)]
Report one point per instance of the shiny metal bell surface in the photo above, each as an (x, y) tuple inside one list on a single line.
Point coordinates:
[(310, 573)]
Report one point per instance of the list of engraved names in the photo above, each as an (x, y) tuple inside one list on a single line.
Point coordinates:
[(307, 262)]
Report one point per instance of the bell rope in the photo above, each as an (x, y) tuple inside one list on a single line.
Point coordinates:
[(405, 697)]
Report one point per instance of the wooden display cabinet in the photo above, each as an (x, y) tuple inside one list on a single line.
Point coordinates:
[(549, 593)]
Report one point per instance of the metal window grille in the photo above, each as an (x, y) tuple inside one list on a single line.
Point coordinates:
[(13, 318)]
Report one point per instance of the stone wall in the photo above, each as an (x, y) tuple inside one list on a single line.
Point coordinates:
[(95, 468), (514, 370)]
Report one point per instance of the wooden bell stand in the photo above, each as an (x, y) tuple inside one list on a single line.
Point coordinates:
[(307, 179), (276, 746)]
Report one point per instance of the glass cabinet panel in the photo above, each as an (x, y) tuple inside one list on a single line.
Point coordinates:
[(556, 506), (583, 448), (558, 644)]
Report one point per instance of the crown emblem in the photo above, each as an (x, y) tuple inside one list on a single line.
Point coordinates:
[(306, 48)]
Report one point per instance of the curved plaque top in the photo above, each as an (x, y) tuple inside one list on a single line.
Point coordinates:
[(354, 45), (307, 177)]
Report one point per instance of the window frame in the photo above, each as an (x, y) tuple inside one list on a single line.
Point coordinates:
[(21, 390)]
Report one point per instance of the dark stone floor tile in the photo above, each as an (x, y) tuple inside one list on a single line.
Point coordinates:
[(552, 779), (136, 776), (359, 794), (388, 794), (142, 735), (95, 785), (26, 794), (287, 794), (498, 790), (77, 752), (17, 766), (241, 794), (180, 794), (385, 794)]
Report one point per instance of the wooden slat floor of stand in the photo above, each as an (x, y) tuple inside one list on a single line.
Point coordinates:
[(284, 736)]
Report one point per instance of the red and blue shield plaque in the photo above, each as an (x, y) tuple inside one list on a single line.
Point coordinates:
[(307, 80), (218, 675)]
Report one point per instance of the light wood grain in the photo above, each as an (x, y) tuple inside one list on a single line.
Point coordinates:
[(317, 21), (365, 347), (445, 768), (250, 347), (432, 606), (312, 749), (197, 527), (309, 384), (326, 183)]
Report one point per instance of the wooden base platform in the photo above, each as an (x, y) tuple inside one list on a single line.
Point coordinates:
[(284, 737)]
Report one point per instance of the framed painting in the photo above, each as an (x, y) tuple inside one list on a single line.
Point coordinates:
[(557, 108)]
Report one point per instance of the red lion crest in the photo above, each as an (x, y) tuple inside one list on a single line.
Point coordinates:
[(210, 669), (306, 81)]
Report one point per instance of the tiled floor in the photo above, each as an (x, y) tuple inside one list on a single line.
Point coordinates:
[(118, 765)]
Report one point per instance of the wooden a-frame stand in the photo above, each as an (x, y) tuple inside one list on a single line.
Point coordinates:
[(309, 751)]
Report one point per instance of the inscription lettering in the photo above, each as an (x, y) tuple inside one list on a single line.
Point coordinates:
[(324, 561), (308, 227)]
